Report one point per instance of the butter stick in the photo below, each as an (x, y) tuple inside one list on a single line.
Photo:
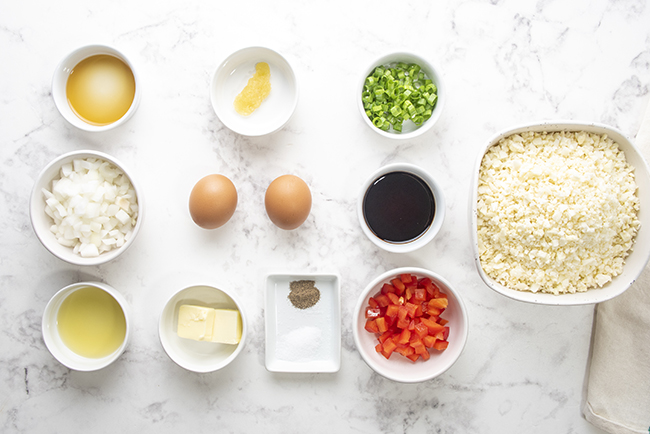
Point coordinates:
[(210, 325)]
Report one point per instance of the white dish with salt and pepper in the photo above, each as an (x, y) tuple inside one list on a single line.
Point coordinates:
[(303, 326)]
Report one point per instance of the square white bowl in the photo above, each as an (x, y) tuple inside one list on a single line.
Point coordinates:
[(634, 263), (232, 75), (286, 326)]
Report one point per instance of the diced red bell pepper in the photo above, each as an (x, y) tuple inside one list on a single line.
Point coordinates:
[(439, 303), (388, 347), (429, 341), (371, 326), (398, 284), (372, 312), (404, 337), (403, 323), (416, 341), (382, 300), (441, 345), (394, 298), (421, 330), (392, 310), (405, 350), (419, 295), (405, 317), (421, 349), (385, 335), (433, 326), (408, 293), (433, 310), (414, 357), (381, 324), (402, 312), (411, 308)]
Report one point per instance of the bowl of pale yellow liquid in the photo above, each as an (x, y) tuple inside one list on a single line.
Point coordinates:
[(86, 325), (96, 88)]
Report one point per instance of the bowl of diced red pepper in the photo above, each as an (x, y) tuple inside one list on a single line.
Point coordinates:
[(410, 325)]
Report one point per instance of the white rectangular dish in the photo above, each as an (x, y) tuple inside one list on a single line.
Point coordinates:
[(303, 340)]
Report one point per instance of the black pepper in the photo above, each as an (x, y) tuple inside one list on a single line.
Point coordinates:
[(303, 294)]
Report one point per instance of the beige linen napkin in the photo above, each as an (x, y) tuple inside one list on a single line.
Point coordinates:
[(618, 376)]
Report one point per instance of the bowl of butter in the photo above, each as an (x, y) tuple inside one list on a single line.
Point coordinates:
[(202, 328)]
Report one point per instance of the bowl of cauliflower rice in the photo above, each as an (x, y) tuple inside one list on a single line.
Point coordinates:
[(559, 213)]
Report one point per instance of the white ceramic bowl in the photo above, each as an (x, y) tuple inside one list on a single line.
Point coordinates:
[(432, 71), (41, 222), (439, 215), (53, 340), (232, 75), (194, 355), (634, 263), (60, 80), (397, 367)]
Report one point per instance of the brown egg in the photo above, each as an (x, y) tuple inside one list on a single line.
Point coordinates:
[(213, 201), (288, 202)]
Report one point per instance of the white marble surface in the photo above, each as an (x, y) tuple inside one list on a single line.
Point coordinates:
[(505, 62)]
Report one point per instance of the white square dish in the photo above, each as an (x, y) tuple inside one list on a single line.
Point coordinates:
[(634, 263), (303, 340)]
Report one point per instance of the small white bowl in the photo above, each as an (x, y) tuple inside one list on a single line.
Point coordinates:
[(399, 368), (53, 340), (634, 263), (194, 355), (60, 80), (232, 75), (432, 71), (41, 222), (439, 214)]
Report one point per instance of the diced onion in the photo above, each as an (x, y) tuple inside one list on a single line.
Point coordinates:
[(93, 206)]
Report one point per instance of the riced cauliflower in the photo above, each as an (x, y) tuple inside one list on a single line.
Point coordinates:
[(556, 211)]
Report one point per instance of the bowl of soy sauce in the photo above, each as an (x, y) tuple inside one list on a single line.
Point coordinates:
[(401, 207)]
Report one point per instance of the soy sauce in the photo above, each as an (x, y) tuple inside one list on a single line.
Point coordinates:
[(399, 207)]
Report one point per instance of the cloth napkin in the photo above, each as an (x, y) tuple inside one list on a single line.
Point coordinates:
[(617, 392)]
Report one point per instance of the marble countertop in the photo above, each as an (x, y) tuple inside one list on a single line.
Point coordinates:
[(505, 63)]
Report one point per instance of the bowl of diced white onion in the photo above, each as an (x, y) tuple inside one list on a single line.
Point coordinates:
[(559, 213), (86, 208)]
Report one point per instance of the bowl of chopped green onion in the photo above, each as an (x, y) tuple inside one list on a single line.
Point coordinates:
[(402, 95)]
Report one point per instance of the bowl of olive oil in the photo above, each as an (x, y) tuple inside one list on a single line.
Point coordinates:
[(96, 88), (86, 325)]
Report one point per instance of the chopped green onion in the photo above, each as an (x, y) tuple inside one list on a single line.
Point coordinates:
[(396, 93)]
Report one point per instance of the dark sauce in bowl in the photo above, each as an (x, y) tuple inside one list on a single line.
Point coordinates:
[(399, 207)]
